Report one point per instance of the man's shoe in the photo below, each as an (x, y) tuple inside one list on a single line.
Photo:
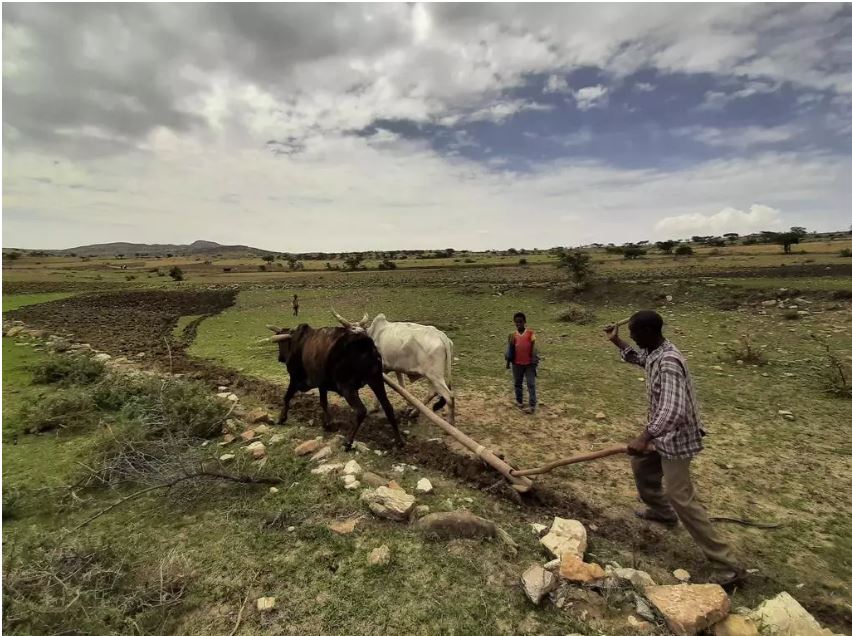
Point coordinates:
[(649, 515), (519, 406), (727, 578)]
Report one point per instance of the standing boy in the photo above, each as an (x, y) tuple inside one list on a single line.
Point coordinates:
[(295, 305), (523, 358)]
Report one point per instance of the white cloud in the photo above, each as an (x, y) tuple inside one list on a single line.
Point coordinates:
[(644, 87), (739, 137), (556, 84), (758, 217), (591, 96)]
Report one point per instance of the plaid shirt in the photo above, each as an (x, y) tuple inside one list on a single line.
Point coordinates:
[(673, 420)]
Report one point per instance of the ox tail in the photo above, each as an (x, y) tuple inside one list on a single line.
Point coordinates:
[(448, 374)]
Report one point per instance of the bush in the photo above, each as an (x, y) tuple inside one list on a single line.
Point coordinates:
[(66, 409), (68, 370), (579, 264), (176, 273), (632, 253), (469, 260), (684, 250), (791, 314), (744, 350), (522, 261), (387, 264), (835, 374), (577, 314), (846, 253), (130, 277)]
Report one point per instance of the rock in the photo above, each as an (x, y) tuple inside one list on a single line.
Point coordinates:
[(787, 415), (600, 415), (222, 389), (421, 511), (257, 450), (360, 447), (735, 625), (227, 438), (637, 578), (14, 331), (265, 603), (247, 435), (395, 486), (276, 439), (226, 457), (538, 528), (455, 525), (566, 535), (553, 566), (537, 582), (273, 490), (223, 395), (783, 616), (388, 503), (59, 345), (669, 298), (689, 609), (258, 416), (643, 609), (769, 303), (262, 429), (352, 468), (322, 453), (379, 556), (373, 480), (399, 468), (346, 526), (681, 575), (718, 368), (638, 625), (572, 568), (233, 397), (325, 469), (424, 486), (232, 426), (101, 357)]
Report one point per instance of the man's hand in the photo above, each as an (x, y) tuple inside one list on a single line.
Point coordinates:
[(611, 332), (640, 445)]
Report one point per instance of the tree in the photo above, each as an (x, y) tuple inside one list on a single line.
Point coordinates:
[(176, 273), (578, 264), (684, 250), (798, 230), (353, 262), (633, 252), (269, 258), (387, 263), (666, 247), (12, 256), (731, 236), (787, 239)]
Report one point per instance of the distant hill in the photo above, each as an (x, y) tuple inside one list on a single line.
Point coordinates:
[(145, 249)]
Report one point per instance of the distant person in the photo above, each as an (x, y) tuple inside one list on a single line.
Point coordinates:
[(295, 305), (523, 358), (674, 428)]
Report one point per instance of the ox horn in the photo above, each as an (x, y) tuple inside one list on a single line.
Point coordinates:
[(274, 328), (363, 321), (341, 319), (280, 337)]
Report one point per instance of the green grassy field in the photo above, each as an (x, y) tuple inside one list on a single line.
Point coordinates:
[(757, 465)]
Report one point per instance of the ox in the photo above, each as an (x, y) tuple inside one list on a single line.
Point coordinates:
[(413, 350), (332, 359)]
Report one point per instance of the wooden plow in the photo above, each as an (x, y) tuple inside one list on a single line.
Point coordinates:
[(519, 482)]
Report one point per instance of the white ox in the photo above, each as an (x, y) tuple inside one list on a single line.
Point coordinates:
[(413, 350)]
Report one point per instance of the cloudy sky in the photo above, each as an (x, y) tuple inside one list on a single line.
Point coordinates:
[(345, 127)]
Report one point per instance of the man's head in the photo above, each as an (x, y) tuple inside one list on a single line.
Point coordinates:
[(646, 328), (520, 320)]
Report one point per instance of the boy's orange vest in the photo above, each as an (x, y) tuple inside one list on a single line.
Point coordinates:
[(523, 346)]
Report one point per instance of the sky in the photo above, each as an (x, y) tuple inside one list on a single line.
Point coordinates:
[(319, 127)]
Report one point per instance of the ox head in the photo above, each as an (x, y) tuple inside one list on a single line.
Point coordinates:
[(284, 338), (361, 325)]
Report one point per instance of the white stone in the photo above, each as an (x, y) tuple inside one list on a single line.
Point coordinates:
[(784, 616), (276, 439), (681, 575), (265, 603), (353, 485), (566, 535), (226, 457), (637, 578), (538, 528), (550, 566), (324, 469), (233, 397), (389, 503), (348, 479), (224, 395), (361, 447), (424, 486), (102, 357), (322, 453), (273, 490), (352, 468), (223, 389), (379, 556), (537, 582)]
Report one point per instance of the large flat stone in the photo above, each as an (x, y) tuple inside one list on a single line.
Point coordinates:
[(565, 536), (537, 582), (689, 609), (784, 616), (389, 503)]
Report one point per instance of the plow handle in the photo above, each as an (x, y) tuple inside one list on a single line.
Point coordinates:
[(575, 459)]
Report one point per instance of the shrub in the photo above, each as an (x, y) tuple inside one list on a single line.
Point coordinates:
[(791, 314), (744, 350), (176, 273), (835, 374), (67, 409), (68, 370), (387, 264), (226, 269), (130, 277), (579, 265), (684, 250), (577, 314), (469, 260), (632, 253), (522, 261), (846, 253)]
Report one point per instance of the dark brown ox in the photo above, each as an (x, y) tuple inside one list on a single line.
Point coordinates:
[(332, 359)]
